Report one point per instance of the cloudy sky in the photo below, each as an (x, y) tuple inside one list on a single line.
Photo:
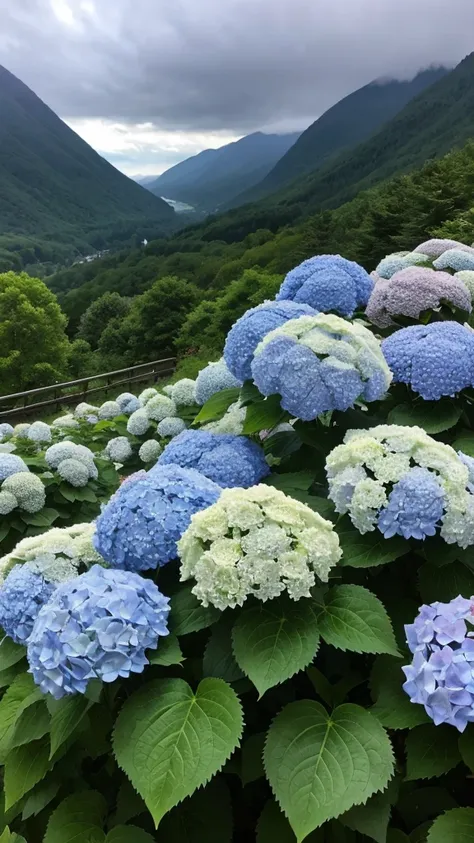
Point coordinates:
[(150, 82)]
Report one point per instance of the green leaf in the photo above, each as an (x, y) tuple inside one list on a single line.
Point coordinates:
[(10, 653), (431, 751), (8, 836), (465, 443), (128, 834), (321, 765), (352, 618), (68, 492), (372, 818), (217, 405), (392, 706), (129, 803), (369, 550), (40, 796), (78, 818), (249, 393), (263, 415), (168, 652), (170, 741), (432, 416), (292, 481), (272, 826), (25, 766), (32, 724), (218, 657), (456, 826), (205, 817), (274, 641), (466, 747), (421, 804), (187, 615), (21, 693), (252, 758), (44, 518), (66, 716), (448, 581)]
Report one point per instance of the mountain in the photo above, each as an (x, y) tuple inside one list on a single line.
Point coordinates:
[(54, 187), (215, 176), (144, 180), (343, 126)]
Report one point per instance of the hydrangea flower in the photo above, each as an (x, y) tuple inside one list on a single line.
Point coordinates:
[(150, 451), (84, 409), (128, 403), (231, 422), (119, 449), (61, 451), (435, 247), (138, 422), (434, 360), (39, 432), (320, 363), (58, 555), (139, 527), (213, 378), (160, 407), (182, 392), (256, 542), (227, 460), (8, 502), (20, 431), (457, 259), (252, 327), (22, 595), (97, 626), (466, 276), (441, 675), (413, 290), (74, 472), (403, 482), (28, 490), (5, 430), (109, 410), (65, 422), (391, 264), (168, 390), (147, 394), (328, 283), (11, 464), (170, 427)]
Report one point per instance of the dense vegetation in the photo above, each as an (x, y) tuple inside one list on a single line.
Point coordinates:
[(59, 198)]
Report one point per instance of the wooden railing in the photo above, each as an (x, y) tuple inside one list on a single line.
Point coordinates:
[(21, 404)]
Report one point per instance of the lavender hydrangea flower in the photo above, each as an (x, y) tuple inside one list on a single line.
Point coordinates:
[(441, 675), (457, 259), (391, 264), (414, 508), (5, 430), (413, 290), (434, 360), (252, 327), (139, 527), (22, 595), (98, 626), (320, 363), (328, 283), (214, 378), (435, 247), (11, 464), (228, 460)]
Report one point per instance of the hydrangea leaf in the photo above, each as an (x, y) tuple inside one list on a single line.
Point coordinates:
[(217, 405), (10, 653), (128, 834), (291, 481), (187, 615), (432, 416), (352, 618), (466, 747), (8, 836), (264, 415), (168, 652), (40, 796), (170, 741), (25, 766), (465, 443), (372, 818), (218, 657), (32, 724), (457, 826), (66, 715), (205, 817), (21, 694), (79, 817), (431, 751), (273, 642), (321, 765), (369, 550), (392, 706), (448, 581)]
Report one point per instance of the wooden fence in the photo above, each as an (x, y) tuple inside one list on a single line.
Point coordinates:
[(21, 404)]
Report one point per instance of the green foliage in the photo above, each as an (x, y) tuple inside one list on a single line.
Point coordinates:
[(99, 314), (431, 752), (457, 826), (351, 618)]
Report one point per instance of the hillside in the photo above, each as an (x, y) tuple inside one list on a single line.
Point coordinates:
[(215, 176), (56, 188), (346, 124)]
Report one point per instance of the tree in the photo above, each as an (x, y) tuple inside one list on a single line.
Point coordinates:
[(33, 342), (99, 314), (81, 360)]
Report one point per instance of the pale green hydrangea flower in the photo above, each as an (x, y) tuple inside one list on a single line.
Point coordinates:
[(467, 278), (258, 542), (150, 451), (231, 422), (58, 554), (160, 407), (182, 392), (27, 489), (147, 394)]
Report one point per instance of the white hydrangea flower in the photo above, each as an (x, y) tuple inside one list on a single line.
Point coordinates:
[(119, 449), (58, 554), (5, 430), (160, 407), (39, 432), (138, 422), (84, 409), (231, 422), (467, 278), (258, 542), (182, 392), (150, 451), (21, 430), (109, 410), (8, 502), (167, 390), (147, 394), (69, 450), (67, 422), (28, 490), (170, 427), (74, 472)]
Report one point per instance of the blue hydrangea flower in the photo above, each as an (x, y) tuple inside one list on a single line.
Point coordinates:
[(22, 595), (139, 527), (434, 360), (5, 430), (11, 464), (320, 363), (328, 283), (415, 506), (214, 378), (441, 675), (226, 459), (96, 626), (391, 264), (128, 403), (456, 259), (252, 327)]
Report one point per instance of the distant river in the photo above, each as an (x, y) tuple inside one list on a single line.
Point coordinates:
[(179, 207)]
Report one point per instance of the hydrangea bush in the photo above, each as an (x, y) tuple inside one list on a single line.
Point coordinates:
[(264, 630)]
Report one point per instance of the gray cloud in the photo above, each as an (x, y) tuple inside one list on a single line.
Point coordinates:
[(229, 65)]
